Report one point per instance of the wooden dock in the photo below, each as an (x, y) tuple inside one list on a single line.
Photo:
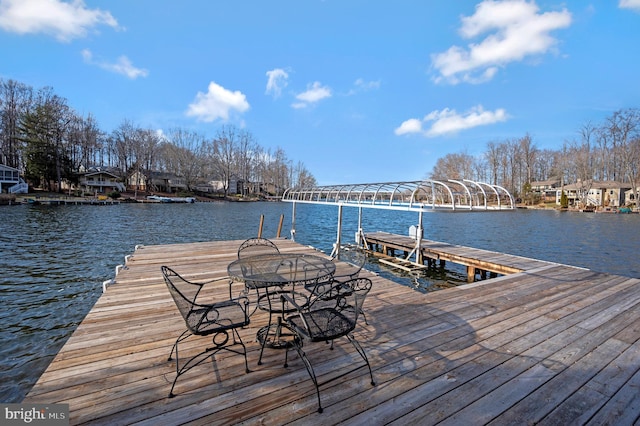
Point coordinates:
[(477, 261), (553, 345), (67, 201)]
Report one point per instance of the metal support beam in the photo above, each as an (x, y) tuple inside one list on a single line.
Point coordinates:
[(336, 245), (293, 222)]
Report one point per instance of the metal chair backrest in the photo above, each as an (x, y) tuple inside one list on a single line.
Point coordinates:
[(256, 246), (342, 299), (355, 257), (361, 287), (184, 292)]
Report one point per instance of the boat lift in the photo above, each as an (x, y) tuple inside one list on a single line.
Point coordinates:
[(418, 196)]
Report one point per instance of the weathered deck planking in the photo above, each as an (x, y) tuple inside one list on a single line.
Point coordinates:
[(554, 344)]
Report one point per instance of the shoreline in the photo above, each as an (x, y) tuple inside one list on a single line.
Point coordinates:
[(52, 198)]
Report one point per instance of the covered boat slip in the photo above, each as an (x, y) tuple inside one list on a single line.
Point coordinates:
[(410, 195), (553, 345), (416, 196)]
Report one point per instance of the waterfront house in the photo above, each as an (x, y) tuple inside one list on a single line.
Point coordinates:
[(216, 186), (100, 182), (137, 181), (155, 181), (546, 189), (630, 197), (595, 193), (10, 180), (168, 182)]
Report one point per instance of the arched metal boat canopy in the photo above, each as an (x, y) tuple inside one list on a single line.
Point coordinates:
[(419, 196), (424, 195)]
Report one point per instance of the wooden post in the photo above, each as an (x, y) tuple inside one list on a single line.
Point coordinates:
[(280, 226), (471, 274), (260, 228)]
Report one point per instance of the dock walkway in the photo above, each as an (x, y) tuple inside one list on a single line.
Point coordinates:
[(477, 261), (550, 345)]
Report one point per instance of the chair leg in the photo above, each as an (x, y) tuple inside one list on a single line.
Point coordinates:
[(362, 353), (244, 349), (180, 338), (364, 316), (311, 372), (207, 353)]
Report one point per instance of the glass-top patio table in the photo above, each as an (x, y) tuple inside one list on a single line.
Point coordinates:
[(272, 275)]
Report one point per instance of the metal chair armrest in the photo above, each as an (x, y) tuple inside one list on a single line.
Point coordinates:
[(292, 301), (300, 313)]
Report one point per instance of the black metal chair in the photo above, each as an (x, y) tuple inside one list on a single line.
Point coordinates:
[(327, 317), (256, 246), (349, 263), (220, 319)]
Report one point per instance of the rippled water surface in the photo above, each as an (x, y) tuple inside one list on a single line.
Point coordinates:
[(55, 258)]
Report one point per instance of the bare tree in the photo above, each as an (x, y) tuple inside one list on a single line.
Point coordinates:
[(628, 136), (245, 158), (123, 140), (86, 140), (225, 148), (544, 166), (92, 140), (632, 166), (454, 166), (616, 131), (15, 100), (302, 178), (280, 167), (188, 155), (493, 161), (145, 148), (529, 153)]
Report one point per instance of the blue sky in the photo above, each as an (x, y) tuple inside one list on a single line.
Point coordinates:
[(358, 91)]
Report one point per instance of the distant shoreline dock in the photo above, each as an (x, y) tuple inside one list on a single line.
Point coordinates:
[(59, 201)]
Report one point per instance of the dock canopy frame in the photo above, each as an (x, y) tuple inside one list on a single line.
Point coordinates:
[(419, 196)]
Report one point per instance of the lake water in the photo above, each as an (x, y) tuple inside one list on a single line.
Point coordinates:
[(55, 258)]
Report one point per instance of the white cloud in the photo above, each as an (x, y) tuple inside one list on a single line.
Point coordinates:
[(630, 4), (122, 66), (315, 92), (412, 125), (277, 80), (361, 85), (515, 29), (367, 85), (161, 135), (217, 103), (64, 21), (448, 121)]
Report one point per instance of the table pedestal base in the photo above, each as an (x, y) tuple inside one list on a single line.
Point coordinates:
[(277, 336)]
